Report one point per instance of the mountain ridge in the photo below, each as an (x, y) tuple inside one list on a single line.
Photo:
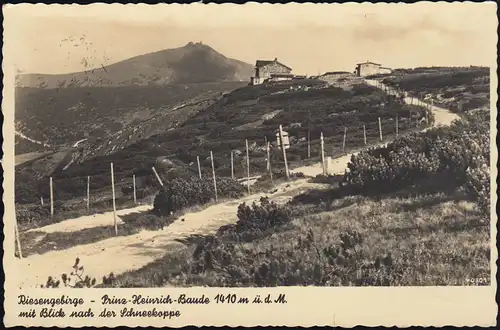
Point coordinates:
[(192, 63)]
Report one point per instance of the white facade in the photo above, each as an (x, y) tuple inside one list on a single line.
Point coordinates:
[(385, 70), (367, 69)]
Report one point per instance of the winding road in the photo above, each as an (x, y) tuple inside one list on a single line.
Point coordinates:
[(126, 253)]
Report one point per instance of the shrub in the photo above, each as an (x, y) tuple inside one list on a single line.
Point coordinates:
[(261, 217), (215, 253), (32, 214), (478, 184), (150, 221), (76, 279), (459, 150), (180, 193), (319, 260)]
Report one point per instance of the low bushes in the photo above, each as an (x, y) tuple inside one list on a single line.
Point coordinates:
[(461, 150), (149, 221), (214, 253), (309, 259), (261, 217), (180, 193), (464, 88), (306, 259), (477, 183)]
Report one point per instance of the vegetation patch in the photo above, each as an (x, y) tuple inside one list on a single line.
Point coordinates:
[(180, 193), (429, 239), (460, 151), (456, 89), (419, 231)]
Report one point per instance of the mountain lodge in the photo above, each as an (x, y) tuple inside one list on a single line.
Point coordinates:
[(370, 68), (270, 71)]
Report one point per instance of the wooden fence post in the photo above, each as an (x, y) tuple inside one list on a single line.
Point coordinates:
[(51, 198), (364, 133), (199, 167), (16, 229), (380, 128), (343, 143), (269, 160), (397, 128), (248, 167), (135, 194), (232, 165), (308, 144), (114, 202), (323, 154), (267, 163), (213, 174), (157, 176), (88, 194), (282, 143)]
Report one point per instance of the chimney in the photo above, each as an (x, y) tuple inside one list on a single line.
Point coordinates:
[(275, 59)]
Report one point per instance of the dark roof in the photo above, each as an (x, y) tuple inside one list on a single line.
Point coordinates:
[(335, 72), (261, 63), (368, 62)]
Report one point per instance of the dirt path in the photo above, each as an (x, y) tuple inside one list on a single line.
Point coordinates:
[(442, 116), (89, 221), (121, 254)]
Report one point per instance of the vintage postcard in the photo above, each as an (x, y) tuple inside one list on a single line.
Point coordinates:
[(250, 165)]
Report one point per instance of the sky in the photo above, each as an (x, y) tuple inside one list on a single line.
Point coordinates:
[(309, 38)]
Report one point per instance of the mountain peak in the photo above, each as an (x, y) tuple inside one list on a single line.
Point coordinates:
[(193, 63), (191, 43)]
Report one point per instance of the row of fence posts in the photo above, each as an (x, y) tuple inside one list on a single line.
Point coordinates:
[(399, 92), (268, 167)]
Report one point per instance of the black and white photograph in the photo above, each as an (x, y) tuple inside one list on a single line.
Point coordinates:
[(193, 146)]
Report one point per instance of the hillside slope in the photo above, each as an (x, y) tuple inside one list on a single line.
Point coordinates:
[(61, 117), (459, 89), (253, 113), (147, 247), (193, 63)]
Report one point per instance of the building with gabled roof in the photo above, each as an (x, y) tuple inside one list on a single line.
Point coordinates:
[(367, 68), (266, 70)]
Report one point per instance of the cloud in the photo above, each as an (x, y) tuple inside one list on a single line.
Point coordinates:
[(375, 29)]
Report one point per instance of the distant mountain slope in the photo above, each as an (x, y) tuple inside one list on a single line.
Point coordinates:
[(193, 63), (61, 117)]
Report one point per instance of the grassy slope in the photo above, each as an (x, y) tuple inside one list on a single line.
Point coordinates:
[(217, 128), (434, 239), (456, 89), (435, 236), (64, 116)]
